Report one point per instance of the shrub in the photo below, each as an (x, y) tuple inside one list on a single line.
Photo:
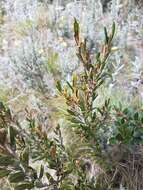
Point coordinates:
[(113, 135)]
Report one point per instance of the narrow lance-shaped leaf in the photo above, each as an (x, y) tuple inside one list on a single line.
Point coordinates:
[(106, 35), (71, 112), (3, 134), (113, 31), (70, 86), (24, 186), (98, 56), (24, 157), (50, 178), (16, 176), (6, 160), (41, 172), (4, 172), (76, 31), (12, 134), (74, 79), (58, 86)]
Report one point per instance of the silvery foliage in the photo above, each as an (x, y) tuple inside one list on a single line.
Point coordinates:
[(58, 35)]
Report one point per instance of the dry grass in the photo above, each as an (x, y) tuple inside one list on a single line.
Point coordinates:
[(127, 168)]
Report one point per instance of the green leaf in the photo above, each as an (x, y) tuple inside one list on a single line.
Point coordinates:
[(94, 95), (136, 116), (58, 86), (16, 176), (24, 157), (50, 178), (100, 111), (98, 56), (126, 111), (6, 160), (75, 120), (52, 164), (112, 140), (113, 31), (107, 103), (4, 172), (41, 172), (106, 35), (32, 123), (82, 104), (99, 84), (76, 31), (76, 26), (3, 135), (12, 134), (70, 86), (24, 186), (122, 121), (71, 112)]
